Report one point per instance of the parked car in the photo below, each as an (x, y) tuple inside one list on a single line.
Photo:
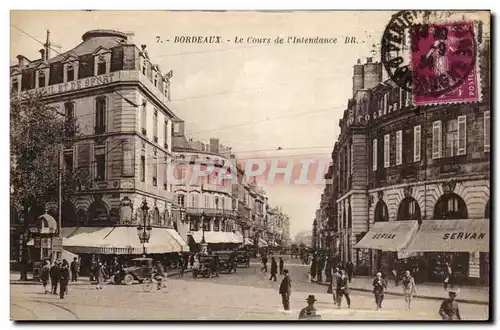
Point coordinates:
[(137, 269), (227, 261), (208, 266), (242, 258)]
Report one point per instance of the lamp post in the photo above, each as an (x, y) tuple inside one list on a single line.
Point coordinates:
[(144, 230), (315, 224), (204, 245)]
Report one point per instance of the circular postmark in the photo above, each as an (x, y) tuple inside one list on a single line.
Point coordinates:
[(441, 55)]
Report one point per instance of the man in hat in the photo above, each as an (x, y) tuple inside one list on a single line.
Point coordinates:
[(309, 311), (449, 308), (286, 290), (343, 289)]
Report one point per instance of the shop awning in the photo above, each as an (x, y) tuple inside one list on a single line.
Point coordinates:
[(215, 237), (470, 235), (122, 240), (389, 236)]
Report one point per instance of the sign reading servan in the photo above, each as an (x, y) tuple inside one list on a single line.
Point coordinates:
[(469, 235), (389, 236)]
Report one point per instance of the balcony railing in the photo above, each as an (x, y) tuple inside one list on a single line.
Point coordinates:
[(216, 188), (210, 212)]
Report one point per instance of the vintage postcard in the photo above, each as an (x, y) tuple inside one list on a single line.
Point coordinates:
[(250, 165)]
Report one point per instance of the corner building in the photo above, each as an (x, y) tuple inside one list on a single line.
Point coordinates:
[(119, 99), (398, 164)]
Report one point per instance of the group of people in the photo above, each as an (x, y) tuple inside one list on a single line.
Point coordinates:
[(59, 274), (274, 266)]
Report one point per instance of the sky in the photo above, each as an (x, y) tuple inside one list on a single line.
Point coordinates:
[(255, 98)]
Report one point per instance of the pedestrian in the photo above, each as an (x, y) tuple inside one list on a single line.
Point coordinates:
[(313, 267), (264, 263), (282, 265), (379, 287), (409, 288), (350, 270), (45, 275), (63, 278), (319, 270), (75, 268), (182, 266), (447, 275), (93, 269), (335, 278), (274, 269), (186, 260), (191, 260), (308, 312), (286, 290), (449, 307), (343, 289), (54, 276), (99, 275)]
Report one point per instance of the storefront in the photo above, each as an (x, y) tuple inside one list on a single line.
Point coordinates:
[(385, 239), (216, 240), (462, 243)]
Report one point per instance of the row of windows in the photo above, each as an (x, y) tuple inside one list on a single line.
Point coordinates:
[(155, 125), (210, 202), (102, 66), (454, 133), (100, 113)]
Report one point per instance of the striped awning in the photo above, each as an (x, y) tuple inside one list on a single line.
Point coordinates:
[(123, 240), (213, 237)]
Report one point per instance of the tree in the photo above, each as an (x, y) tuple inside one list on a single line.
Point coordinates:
[(37, 133)]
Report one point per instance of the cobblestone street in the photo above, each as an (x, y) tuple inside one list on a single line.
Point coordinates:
[(246, 295)]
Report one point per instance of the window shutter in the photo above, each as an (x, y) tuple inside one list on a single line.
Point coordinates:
[(486, 131), (385, 104), (416, 143), (462, 135), (436, 139), (374, 154), (399, 147), (387, 150)]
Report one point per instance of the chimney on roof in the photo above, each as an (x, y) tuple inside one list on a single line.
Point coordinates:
[(21, 60), (42, 54), (214, 145), (130, 37), (47, 46)]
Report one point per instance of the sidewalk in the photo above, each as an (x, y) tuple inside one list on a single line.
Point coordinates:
[(468, 294), (82, 280)]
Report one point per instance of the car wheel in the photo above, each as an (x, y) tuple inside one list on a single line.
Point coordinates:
[(128, 279)]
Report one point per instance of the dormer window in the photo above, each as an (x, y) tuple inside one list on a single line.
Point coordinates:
[(41, 79), (70, 73), (15, 84), (101, 67)]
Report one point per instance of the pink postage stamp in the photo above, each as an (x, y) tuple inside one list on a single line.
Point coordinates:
[(444, 63)]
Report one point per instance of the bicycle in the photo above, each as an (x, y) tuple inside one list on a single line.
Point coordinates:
[(149, 283)]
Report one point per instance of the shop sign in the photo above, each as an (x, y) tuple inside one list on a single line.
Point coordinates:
[(57, 244), (384, 236), (464, 235)]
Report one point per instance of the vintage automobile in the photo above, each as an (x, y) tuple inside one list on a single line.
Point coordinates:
[(242, 258), (208, 266), (136, 269), (227, 261)]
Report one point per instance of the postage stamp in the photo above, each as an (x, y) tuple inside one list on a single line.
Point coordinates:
[(443, 63), (432, 57)]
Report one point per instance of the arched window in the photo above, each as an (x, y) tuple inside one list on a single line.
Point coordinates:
[(69, 215), (156, 217), (409, 210), (450, 206), (381, 212), (98, 212), (487, 210)]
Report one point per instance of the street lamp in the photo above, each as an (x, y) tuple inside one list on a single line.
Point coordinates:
[(204, 245), (315, 224), (144, 230)]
